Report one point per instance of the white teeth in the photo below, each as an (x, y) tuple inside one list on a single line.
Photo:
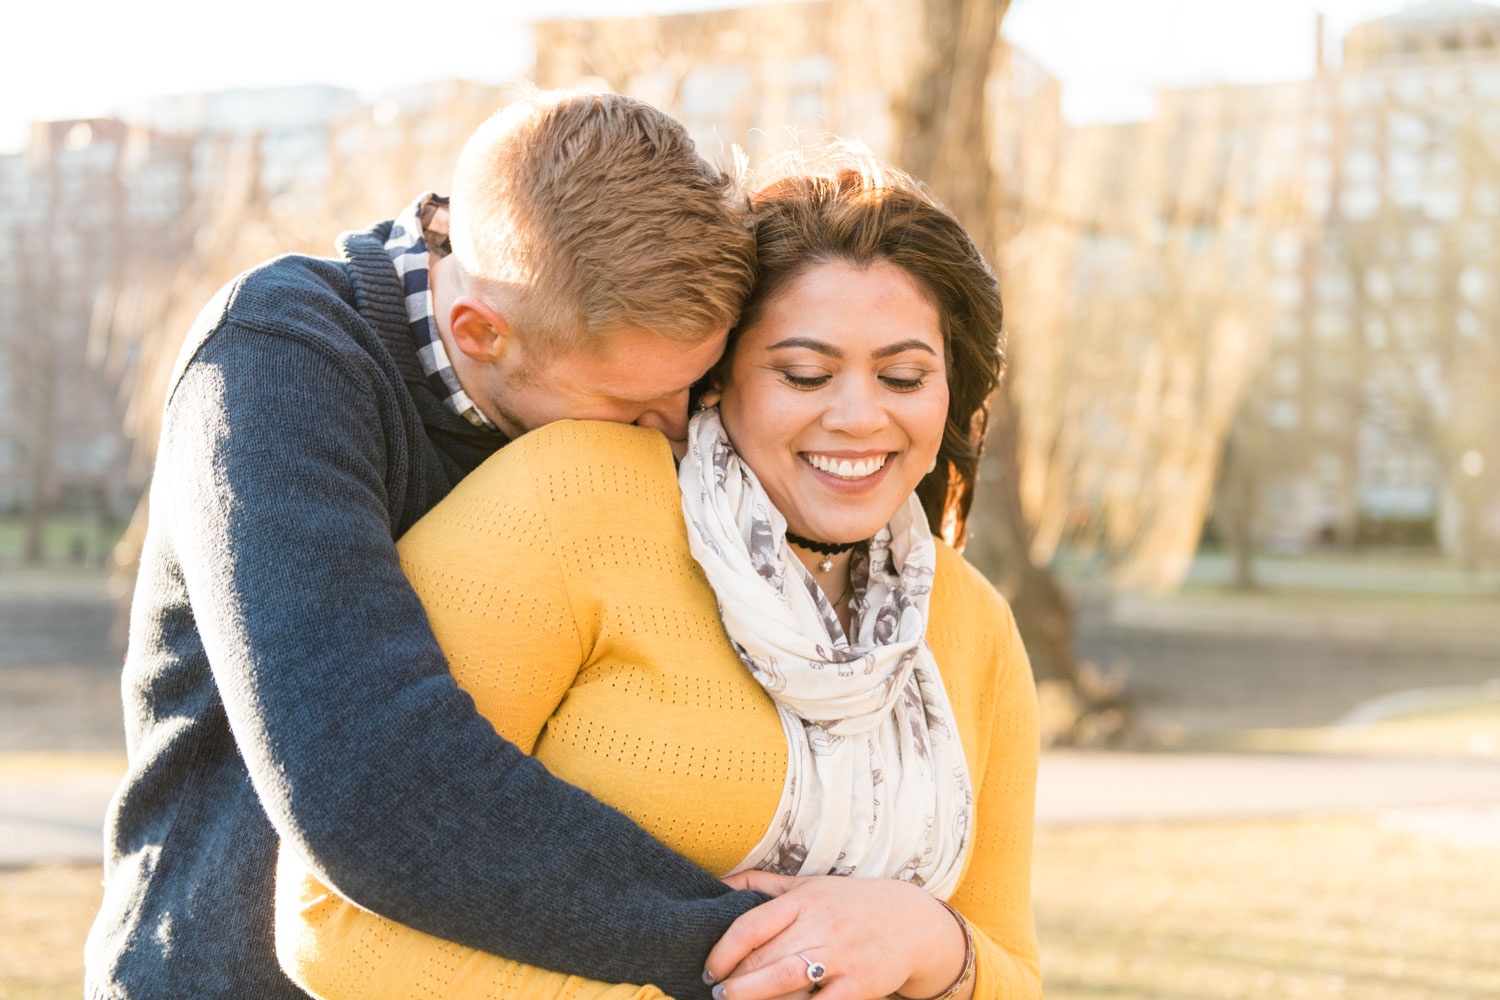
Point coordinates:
[(845, 469)]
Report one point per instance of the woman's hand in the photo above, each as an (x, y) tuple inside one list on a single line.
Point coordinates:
[(873, 937)]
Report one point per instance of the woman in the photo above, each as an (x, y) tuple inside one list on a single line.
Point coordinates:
[(885, 728)]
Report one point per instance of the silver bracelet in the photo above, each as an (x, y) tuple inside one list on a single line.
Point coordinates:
[(968, 969)]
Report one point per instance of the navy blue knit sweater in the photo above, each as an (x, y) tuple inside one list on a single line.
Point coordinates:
[(282, 681)]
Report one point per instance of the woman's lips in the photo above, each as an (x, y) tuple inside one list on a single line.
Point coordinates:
[(852, 483), (847, 468)]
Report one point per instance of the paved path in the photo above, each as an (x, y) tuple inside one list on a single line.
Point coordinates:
[(1083, 787), (57, 817)]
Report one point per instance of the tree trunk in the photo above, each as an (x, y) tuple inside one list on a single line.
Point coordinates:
[(42, 374), (1237, 501), (34, 366), (38, 473), (942, 129), (1042, 610)]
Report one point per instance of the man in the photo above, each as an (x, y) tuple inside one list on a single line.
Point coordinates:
[(282, 683)]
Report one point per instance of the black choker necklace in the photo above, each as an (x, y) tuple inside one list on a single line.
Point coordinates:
[(825, 549)]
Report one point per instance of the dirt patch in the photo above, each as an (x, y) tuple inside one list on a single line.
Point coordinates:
[(45, 913)]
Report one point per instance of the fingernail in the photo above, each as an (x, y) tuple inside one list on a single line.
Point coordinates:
[(718, 992), (709, 978)]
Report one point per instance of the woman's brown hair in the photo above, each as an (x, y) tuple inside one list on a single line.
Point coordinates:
[(841, 205)]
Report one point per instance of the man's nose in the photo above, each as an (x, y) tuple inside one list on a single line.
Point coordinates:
[(668, 415)]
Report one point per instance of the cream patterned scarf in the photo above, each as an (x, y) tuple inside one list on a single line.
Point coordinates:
[(876, 779)]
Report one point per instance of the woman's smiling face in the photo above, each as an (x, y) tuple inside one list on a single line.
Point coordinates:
[(836, 397)]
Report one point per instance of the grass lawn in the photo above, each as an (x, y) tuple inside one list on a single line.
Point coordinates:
[(1309, 908), (65, 539), (1281, 910)]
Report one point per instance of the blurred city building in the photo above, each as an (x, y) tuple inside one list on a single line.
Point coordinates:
[(90, 214), (114, 231), (1353, 219), (84, 196), (1278, 300), (242, 110)]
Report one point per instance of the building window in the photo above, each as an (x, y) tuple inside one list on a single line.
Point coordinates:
[(1286, 250), (1425, 244), (1284, 414), (1485, 83), (1331, 325), (1404, 180), (1330, 416), (1286, 374), (1334, 287), (1287, 291), (1360, 202), (1411, 86), (1469, 325), (1474, 283), (1442, 202), (1378, 284)]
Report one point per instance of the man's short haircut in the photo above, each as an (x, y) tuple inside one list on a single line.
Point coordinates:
[(578, 215)]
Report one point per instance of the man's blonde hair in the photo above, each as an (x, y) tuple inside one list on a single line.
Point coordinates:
[(580, 214)]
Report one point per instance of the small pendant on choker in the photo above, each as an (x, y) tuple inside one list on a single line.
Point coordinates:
[(826, 549)]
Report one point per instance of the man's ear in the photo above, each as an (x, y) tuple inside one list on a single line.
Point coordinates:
[(479, 331)]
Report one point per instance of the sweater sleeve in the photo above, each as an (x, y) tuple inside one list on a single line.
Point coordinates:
[(491, 576), (368, 760), (995, 893)]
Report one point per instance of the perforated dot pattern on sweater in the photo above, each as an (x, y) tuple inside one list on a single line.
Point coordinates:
[(558, 579)]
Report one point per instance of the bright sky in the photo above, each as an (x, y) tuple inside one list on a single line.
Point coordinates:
[(76, 59)]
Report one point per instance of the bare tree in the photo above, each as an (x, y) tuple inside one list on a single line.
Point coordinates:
[(368, 166), (35, 359), (66, 226)]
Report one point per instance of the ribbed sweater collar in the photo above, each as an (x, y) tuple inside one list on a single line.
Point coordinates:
[(378, 295), (381, 300)]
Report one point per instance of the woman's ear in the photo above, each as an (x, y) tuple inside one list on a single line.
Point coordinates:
[(709, 389)]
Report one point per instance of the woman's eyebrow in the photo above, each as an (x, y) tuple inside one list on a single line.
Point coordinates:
[(905, 345), (832, 351), (810, 344)]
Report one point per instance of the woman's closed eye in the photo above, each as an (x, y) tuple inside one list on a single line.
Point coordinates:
[(900, 381), (904, 381), (805, 378)]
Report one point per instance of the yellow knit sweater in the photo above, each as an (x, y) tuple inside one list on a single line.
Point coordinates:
[(558, 580)]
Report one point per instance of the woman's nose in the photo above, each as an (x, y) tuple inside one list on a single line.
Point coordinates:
[(856, 409)]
